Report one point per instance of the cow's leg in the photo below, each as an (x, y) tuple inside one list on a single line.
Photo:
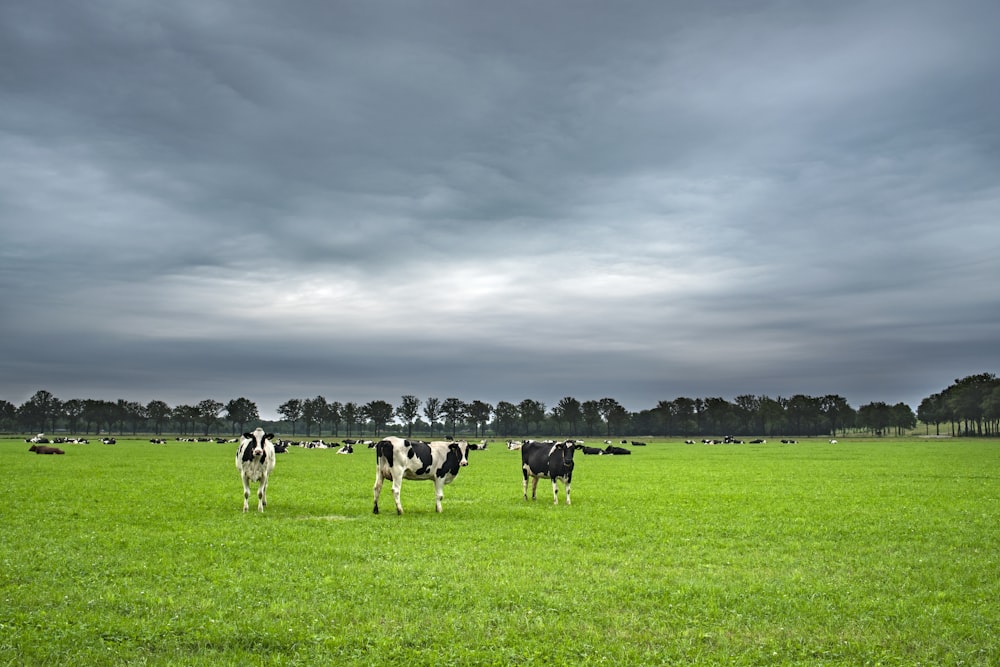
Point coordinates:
[(262, 493), (555, 490), (378, 488), (397, 483), (534, 486), (438, 494), (567, 492), (525, 472), (246, 492)]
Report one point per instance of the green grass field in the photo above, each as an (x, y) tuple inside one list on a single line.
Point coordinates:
[(860, 553)]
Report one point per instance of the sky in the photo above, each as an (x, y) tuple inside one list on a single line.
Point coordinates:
[(498, 201)]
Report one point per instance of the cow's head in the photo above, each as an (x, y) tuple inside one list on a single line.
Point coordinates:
[(461, 449), (564, 452), (259, 438)]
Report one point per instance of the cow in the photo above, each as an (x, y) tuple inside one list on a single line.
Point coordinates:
[(549, 460), (397, 459), (255, 460), (346, 449), (593, 451), (617, 451), (45, 449)]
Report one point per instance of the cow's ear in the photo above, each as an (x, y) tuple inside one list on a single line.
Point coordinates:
[(247, 435), (269, 436)]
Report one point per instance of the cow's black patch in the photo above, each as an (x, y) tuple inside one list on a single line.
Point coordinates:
[(422, 451), (450, 463), (383, 450), (248, 451)]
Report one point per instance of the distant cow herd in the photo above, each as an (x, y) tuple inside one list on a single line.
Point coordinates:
[(398, 458)]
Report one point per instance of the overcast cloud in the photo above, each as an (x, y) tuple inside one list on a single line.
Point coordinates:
[(498, 201)]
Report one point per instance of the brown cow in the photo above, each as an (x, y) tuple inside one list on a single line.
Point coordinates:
[(44, 449)]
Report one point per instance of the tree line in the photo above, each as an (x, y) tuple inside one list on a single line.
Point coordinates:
[(970, 406)]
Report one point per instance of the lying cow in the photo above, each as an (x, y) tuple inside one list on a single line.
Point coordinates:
[(549, 460), (617, 451), (397, 459), (45, 449), (255, 460)]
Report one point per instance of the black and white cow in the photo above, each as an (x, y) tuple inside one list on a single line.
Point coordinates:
[(397, 459), (549, 460), (255, 460)]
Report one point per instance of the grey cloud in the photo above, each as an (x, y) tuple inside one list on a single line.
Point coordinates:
[(498, 201)]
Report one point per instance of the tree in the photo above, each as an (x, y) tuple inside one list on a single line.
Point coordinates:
[(615, 414), (408, 411), (836, 411), (685, 415), (876, 417), (804, 414), (719, 417), (351, 414), (72, 410), (506, 418), (966, 400), (8, 414), (291, 410), (932, 410), (479, 412), (158, 413), (186, 416), (314, 412), (100, 413), (121, 411), (135, 414), (772, 415), (571, 413), (432, 410), (531, 412), (902, 418), (380, 413), (239, 411), (208, 413), (40, 411), (591, 416), (610, 411), (334, 413), (454, 411), (746, 407), (664, 416)]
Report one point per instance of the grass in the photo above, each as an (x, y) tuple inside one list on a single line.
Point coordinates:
[(861, 553)]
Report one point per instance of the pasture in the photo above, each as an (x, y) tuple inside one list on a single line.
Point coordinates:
[(860, 553)]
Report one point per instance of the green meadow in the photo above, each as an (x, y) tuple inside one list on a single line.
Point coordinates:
[(861, 553)]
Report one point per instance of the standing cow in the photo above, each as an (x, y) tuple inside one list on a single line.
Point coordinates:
[(397, 459), (549, 460), (255, 460)]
